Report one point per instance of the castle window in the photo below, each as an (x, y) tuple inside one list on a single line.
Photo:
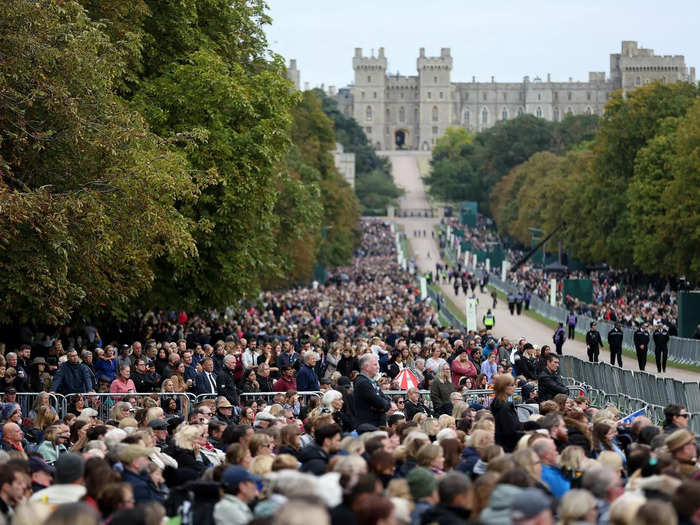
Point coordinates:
[(374, 95), (556, 95), (484, 96), (369, 80), (638, 82), (435, 114), (430, 95), (520, 111), (362, 94), (504, 96), (435, 80), (442, 95), (539, 96), (555, 115), (504, 114), (588, 96), (402, 114), (368, 114), (569, 111), (588, 110), (568, 95), (368, 130), (435, 130), (466, 118), (415, 115), (539, 112), (388, 115), (484, 116)]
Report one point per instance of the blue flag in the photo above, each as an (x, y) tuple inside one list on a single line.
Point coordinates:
[(628, 420)]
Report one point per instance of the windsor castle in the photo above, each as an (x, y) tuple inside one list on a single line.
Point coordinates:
[(412, 112)]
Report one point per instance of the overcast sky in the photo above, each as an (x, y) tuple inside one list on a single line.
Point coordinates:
[(508, 39)]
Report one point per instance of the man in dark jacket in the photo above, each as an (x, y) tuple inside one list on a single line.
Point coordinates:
[(315, 457), (641, 345), (307, 380), (593, 343), (72, 377), (550, 382), (135, 461), (414, 404), (143, 381), (661, 338), (615, 337), (225, 381), (455, 500), (370, 403)]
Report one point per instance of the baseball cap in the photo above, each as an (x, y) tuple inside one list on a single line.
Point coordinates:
[(37, 464), (158, 424), (528, 504), (234, 475)]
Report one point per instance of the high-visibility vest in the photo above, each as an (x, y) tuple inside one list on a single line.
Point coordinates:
[(488, 320)]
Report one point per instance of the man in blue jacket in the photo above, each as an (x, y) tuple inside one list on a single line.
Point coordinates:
[(551, 475), (307, 380), (135, 460), (72, 377)]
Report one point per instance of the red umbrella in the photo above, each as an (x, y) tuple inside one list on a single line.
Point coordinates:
[(406, 379)]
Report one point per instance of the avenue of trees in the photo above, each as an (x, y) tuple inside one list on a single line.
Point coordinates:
[(628, 193), (154, 153)]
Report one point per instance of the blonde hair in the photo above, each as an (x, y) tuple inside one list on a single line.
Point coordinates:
[(186, 436), (419, 417), (484, 424), (152, 414), (500, 383), (262, 465), (427, 454), (623, 510), (445, 421), (459, 409), (352, 445), (258, 441), (572, 457), (480, 439), (575, 505)]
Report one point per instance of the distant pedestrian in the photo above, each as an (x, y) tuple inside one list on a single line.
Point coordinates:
[(615, 337), (661, 338), (571, 324), (559, 338), (511, 303), (641, 345)]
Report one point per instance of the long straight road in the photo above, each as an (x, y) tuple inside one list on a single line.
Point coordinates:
[(426, 252)]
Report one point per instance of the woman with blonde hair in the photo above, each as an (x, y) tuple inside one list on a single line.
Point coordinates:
[(431, 457), (571, 464), (441, 389), (430, 427), (460, 410), (153, 413), (262, 465), (507, 424), (45, 417), (260, 444), (576, 507), (187, 444), (420, 417), (445, 421)]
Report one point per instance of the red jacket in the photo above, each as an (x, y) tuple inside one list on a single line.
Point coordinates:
[(283, 385)]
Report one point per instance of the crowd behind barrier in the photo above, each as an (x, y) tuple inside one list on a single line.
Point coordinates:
[(680, 350), (178, 427)]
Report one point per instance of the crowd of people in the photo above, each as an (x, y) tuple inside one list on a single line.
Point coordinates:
[(294, 409), (617, 296)]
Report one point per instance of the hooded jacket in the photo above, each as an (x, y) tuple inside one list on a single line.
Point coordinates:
[(498, 511)]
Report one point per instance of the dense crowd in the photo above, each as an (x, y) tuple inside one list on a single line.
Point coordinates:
[(342, 403), (617, 296)]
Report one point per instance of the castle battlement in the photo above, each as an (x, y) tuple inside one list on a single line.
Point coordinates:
[(413, 112)]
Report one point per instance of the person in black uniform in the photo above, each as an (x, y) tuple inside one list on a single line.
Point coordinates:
[(593, 343), (615, 337), (641, 344), (661, 347)]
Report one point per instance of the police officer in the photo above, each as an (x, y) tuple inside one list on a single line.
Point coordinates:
[(641, 345), (511, 302), (615, 337), (489, 320), (519, 302), (661, 347), (593, 343)]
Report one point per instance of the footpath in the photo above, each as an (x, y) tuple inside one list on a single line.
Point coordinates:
[(425, 250)]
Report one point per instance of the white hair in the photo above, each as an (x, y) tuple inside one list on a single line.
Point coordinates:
[(329, 397), (446, 433)]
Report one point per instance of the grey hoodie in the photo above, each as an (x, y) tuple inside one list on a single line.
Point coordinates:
[(498, 511)]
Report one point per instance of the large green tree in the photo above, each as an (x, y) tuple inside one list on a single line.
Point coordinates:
[(89, 197), (630, 122)]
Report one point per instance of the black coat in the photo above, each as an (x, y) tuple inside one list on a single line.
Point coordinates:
[(594, 340), (227, 386), (410, 409), (371, 404), (528, 368), (661, 339), (641, 337), (508, 428), (313, 459), (445, 515), (615, 337), (549, 385)]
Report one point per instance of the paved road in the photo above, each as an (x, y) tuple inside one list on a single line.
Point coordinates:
[(425, 250)]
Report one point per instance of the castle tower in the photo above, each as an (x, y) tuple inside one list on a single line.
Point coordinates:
[(435, 96), (293, 74), (369, 95)]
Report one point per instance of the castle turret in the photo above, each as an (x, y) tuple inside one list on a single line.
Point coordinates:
[(435, 92), (369, 95)]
